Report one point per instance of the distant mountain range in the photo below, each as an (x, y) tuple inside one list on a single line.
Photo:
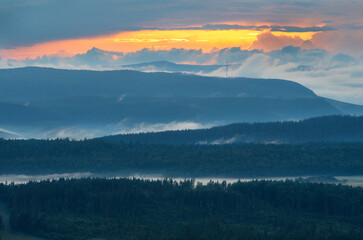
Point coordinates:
[(44, 102), (320, 129), (160, 66)]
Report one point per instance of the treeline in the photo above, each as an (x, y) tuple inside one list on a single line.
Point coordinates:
[(238, 160), (142, 209), (320, 129)]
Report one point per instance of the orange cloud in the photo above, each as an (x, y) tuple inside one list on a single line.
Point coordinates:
[(268, 41), (207, 40), (348, 41)]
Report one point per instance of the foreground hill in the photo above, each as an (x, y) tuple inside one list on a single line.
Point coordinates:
[(43, 102), (320, 129), (137, 209)]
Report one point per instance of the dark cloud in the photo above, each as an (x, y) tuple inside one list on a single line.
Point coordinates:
[(357, 27), (26, 22), (225, 27), (301, 29), (341, 57), (234, 55), (263, 27), (306, 3), (304, 57), (96, 57)]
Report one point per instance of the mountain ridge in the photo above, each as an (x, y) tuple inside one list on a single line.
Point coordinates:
[(35, 101), (173, 67), (136, 83)]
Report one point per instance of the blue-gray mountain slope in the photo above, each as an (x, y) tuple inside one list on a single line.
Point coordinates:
[(45, 98)]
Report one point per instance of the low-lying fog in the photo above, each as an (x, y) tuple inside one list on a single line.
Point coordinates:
[(21, 179)]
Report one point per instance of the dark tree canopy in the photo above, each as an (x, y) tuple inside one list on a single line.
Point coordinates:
[(238, 160), (319, 129), (141, 209)]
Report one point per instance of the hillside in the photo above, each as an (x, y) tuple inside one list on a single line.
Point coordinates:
[(44, 102), (30, 84), (320, 129)]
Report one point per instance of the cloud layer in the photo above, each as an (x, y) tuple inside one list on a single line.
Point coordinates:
[(27, 22)]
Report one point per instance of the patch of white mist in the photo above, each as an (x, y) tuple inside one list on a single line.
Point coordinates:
[(159, 127)]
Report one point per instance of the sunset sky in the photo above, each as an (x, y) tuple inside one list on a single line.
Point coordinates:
[(59, 33), (207, 40), (33, 28)]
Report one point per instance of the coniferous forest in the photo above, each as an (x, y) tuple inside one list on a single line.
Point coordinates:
[(336, 128), (101, 208), (141, 209), (234, 160)]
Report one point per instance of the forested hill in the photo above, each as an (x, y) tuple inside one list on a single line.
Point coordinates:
[(234, 160), (136, 209), (320, 129)]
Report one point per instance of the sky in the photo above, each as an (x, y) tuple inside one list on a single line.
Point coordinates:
[(317, 43)]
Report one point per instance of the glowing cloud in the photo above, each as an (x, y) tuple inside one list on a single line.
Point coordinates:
[(207, 40), (268, 41)]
